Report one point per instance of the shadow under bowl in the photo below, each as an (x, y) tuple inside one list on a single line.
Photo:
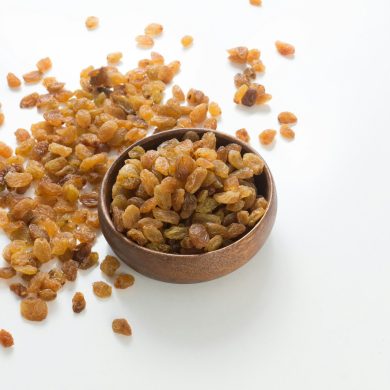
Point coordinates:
[(183, 268)]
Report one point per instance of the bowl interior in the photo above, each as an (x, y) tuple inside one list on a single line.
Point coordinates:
[(263, 182)]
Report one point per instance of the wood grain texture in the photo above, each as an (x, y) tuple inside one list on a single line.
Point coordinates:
[(177, 268)]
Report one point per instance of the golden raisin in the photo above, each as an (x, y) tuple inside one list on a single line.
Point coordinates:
[(33, 309), (238, 54), (109, 265), (121, 326), (102, 289), (13, 81), (6, 339), (44, 65), (187, 40), (287, 118), (285, 49), (154, 29), (214, 109), (92, 22), (29, 101), (144, 41), (287, 132), (78, 302), (114, 58), (32, 77), (243, 135), (266, 137), (123, 281)]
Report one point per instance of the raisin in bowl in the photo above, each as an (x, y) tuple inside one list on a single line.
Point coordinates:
[(192, 221)]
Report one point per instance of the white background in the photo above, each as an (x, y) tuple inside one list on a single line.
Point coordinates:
[(311, 310)]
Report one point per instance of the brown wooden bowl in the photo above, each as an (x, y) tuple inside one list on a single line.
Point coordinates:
[(177, 268)]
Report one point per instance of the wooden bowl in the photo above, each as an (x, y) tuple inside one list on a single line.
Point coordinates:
[(177, 268)]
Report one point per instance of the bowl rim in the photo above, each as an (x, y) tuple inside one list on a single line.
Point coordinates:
[(105, 211)]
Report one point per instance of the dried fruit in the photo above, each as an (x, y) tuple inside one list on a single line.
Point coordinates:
[(123, 281), (13, 81), (92, 22), (32, 77), (33, 309), (19, 289), (144, 41), (78, 302), (69, 268), (266, 137), (249, 98), (238, 54), (287, 118), (285, 49), (102, 289), (154, 29), (187, 40), (121, 326), (243, 135), (114, 58), (6, 339), (287, 132), (7, 272), (109, 265), (198, 235), (44, 65)]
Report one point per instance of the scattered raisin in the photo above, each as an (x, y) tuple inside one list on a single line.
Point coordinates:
[(109, 265), (121, 326), (33, 309), (123, 281), (13, 81), (266, 137), (102, 289), (287, 132), (78, 302), (92, 22), (285, 49), (6, 339)]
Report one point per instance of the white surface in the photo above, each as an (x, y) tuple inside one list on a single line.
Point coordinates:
[(311, 310)]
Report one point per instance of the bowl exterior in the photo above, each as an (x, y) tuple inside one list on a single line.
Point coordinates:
[(177, 268)]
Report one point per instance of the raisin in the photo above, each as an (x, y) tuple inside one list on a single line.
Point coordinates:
[(144, 41), (78, 302), (92, 22), (238, 54), (243, 135), (266, 137), (6, 339), (69, 268), (7, 272), (33, 309), (121, 326), (249, 98), (102, 289), (198, 235), (19, 289), (154, 29), (123, 281), (109, 265), (44, 64), (285, 49), (287, 132), (187, 40), (287, 118), (13, 81)]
